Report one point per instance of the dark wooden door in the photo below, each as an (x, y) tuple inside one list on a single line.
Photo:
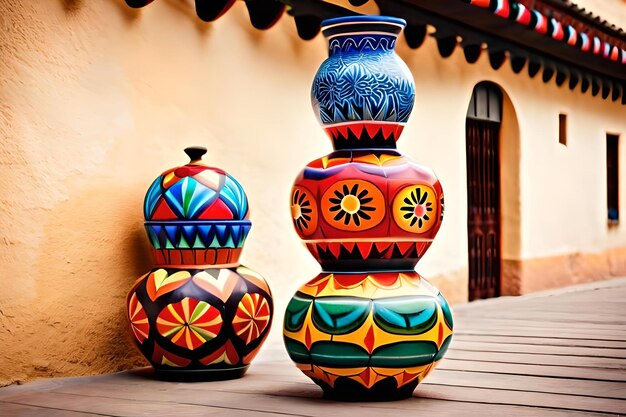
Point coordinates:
[(483, 192)]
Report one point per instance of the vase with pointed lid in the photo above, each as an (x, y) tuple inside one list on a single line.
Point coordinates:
[(368, 327), (198, 314)]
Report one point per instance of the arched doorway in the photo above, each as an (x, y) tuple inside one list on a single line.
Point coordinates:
[(484, 228)]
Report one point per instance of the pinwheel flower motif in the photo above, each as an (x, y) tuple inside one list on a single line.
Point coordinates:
[(189, 323), (138, 319), (252, 317)]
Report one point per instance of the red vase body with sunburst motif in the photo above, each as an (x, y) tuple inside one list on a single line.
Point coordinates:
[(368, 327), (199, 314)]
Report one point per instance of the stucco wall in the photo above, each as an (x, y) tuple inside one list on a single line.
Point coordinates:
[(612, 10), (557, 203), (97, 99)]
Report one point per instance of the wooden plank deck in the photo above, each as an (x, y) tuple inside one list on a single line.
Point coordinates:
[(560, 353)]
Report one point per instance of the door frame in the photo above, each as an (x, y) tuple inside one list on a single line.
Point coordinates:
[(510, 194)]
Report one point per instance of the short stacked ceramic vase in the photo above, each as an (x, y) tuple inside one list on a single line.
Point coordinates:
[(368, 327), (198, 314)]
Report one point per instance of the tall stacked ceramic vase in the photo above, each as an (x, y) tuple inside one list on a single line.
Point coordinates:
[(368, 326), (198, 314)]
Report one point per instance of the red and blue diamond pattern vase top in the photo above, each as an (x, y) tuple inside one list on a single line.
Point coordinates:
[(368, 327), (198, 314)]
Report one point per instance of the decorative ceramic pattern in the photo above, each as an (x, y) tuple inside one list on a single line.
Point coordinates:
[(195, 192), (363, 80), (368, 327), (189, 323), (199, 313), (252, 317), (362, 43), (353, 331), (358, 206)]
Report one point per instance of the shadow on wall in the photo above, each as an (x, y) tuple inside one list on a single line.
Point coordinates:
[(132, 15), (138, 243), (71, 6), (113, 335), (184, 8), (98, 252)]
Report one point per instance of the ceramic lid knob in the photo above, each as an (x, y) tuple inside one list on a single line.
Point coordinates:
[(195, 152)]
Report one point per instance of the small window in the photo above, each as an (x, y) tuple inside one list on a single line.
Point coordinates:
[(563, 129), (612, 178)]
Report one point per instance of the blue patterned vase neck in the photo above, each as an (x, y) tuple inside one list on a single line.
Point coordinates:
[(352, 44), (355, 34), (363, 93)]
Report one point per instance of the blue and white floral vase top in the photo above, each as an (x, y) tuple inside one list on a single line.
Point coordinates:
[(363, 80)]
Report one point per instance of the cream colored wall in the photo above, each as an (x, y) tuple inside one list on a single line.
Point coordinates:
[(97, 99), (570, 181), (562, 199), (547, 217), (612, 10)]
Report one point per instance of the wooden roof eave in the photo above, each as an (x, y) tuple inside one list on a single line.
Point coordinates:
[(453, 19), (481, 21), (539, 53)]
